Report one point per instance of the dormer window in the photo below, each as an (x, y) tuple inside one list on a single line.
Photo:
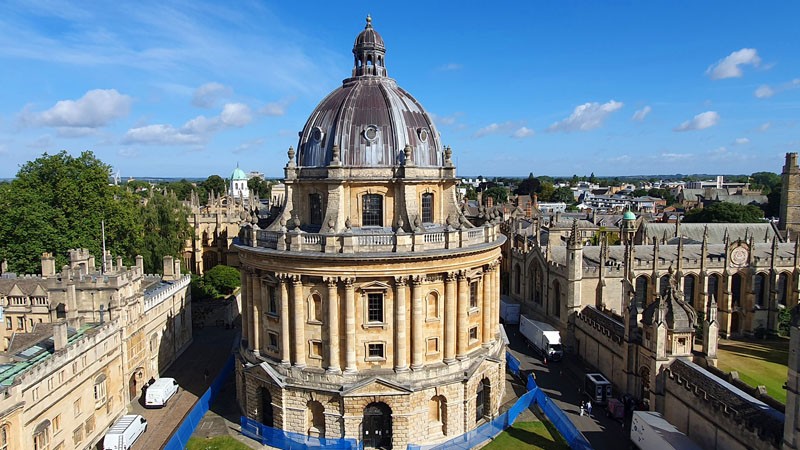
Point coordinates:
[(317, 134), (371, 133)]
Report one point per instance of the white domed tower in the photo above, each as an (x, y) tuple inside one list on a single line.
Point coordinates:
[(370, 306), (238, 184)]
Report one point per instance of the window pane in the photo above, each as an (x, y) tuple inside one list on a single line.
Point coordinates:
[(427, 208), (372, 210), (315, 205), (375, 308)]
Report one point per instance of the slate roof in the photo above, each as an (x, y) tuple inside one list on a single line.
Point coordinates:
[(761, 232)]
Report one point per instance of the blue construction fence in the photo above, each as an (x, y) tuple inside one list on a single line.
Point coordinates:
[(181, 436), (275, 437)]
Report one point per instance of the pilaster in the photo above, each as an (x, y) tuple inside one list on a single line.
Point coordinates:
[(333, 325), (450, 317)]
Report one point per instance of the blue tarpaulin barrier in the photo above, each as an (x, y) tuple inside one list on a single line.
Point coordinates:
[(275, 437)]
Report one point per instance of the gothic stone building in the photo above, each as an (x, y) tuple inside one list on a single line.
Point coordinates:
[(370, 304)]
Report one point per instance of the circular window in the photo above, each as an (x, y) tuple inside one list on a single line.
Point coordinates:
[(317, 134), (423, 134), (371, 133)]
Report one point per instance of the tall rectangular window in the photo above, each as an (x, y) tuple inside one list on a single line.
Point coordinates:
[(375, 307), (315, 206), (427, 208), (372, 210), (473, 294), (273, 300)]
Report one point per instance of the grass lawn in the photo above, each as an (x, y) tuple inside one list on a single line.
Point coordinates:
[(216, 443), (759, 362), (528, 435)]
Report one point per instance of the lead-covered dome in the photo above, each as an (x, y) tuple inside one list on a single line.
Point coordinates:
[(369, 117)]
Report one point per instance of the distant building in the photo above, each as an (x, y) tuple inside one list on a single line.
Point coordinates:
[(238, 185)]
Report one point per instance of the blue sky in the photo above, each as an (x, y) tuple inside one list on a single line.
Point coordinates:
[(190, 89)]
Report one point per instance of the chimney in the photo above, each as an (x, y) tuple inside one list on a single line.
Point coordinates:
[(140, 263), (48, 265), (169, 269), (3, 266), (528, 211), (119, 262), (489, 202), (60, 337), (177, 269)]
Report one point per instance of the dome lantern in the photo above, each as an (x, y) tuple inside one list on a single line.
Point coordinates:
[(369, 53)]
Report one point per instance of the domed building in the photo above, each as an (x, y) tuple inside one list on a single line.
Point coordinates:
[(238, 184), (370, 305)]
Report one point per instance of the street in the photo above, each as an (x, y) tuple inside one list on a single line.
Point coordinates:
[(209, 351), (563, 381)]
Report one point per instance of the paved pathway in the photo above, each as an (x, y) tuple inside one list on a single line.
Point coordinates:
[(209, 350), (562, 381)]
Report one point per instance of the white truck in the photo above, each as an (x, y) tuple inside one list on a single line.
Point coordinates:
[(543, 337), (509, 311), (124, 432), (160, 392), (650, 431)]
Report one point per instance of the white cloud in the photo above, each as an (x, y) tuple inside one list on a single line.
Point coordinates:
[(641, 114), (764, 91), (729, 67), (194, 132), (75, 132), (587, 116), (236, 115), (97, 108), (673, 157), (741, 141), (275, 108), (764, 126), (446, 120), (699, 122), (522, 133), (127, 152), (161, 135), (249, 145), (207, 95)]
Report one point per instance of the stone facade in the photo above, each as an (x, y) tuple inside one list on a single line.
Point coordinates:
[(102, 335), (370, 304)]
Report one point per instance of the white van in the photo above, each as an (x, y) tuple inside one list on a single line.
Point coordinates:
[(159, 392), (124, 432)]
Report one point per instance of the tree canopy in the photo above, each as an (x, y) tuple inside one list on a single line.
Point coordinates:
[(725, 212), (57, 202), (563, 194), (499, 195), (223, 279)]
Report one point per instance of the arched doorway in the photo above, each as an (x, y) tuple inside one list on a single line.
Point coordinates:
[(736, 323), (315, 418), (482, 400), (266, 407), (437, 410), (377, 426), (133, 384)]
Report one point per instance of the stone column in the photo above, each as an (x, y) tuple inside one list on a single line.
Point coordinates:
[(450, 317), (350, 326), (462, 336), (283, 299), (417, 324), (299, 322), (495, 319), (400, 339), (243, 294), (255, 288), (486, 305), (333, 325)]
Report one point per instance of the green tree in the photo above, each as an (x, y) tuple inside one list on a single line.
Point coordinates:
[(166, 228), (57, 202), (499, 195), (766, 182), (725, 212), (223, 279), (471, 193), (547, 190), (563, 194), (528, 186), (214, 183), (260, 186), (182, 189)]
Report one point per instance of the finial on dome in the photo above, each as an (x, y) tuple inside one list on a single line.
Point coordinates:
[(369, 21)]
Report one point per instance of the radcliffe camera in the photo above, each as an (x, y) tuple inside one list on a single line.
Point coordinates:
[(427, 226)]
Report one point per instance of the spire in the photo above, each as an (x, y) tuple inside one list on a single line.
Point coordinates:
[(574, 240)]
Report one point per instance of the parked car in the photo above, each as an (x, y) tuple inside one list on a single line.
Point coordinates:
[(159, 392)]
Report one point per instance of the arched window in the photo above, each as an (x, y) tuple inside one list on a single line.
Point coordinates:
[(436, 415), (41, 436), (688, 290), (713, 287), (427, 208), (759, 289), (517, 279), (663, 285), (315, 417), (736, 290), (557, 299), (783, 292), (641, 292), (99, 391), (372, 210)]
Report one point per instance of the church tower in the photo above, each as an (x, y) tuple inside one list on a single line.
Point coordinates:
[(790, 196)]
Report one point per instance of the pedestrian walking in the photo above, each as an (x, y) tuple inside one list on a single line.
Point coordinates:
[(205, 375), (581, 409), (589, 409)]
